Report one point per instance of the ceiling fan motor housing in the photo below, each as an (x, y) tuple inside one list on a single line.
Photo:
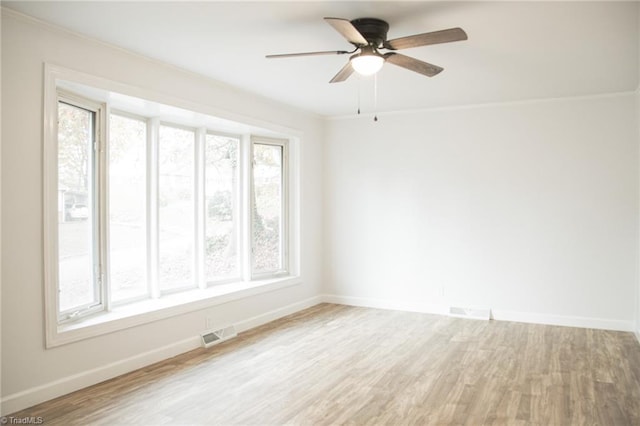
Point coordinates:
[(372, 29)]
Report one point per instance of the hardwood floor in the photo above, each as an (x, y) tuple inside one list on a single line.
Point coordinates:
[(334, 364)]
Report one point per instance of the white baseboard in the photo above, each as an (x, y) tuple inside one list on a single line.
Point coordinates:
[(562, 320), (276, 314), (638, 335), (499, 315), (36, 395), (385, 304)]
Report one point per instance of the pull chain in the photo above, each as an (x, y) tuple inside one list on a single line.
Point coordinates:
[(375, 96)]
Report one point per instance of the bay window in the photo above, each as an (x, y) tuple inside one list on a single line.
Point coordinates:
[(150, 205)]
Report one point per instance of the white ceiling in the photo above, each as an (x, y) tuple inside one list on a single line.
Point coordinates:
[(516, 50)]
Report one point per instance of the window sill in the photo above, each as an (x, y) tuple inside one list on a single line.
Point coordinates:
[(146, 311)]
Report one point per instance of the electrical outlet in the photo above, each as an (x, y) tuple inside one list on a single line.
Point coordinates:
[(208, 323)]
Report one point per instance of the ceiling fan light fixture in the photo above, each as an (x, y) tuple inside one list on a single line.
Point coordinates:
[(368, 62)]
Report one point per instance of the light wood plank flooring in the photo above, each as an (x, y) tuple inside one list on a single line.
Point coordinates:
[(334, 364)]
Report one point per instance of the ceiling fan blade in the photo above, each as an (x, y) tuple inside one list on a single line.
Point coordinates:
[(343, 74), (348, 31), (291, 55), (412, 64), (436, 37)]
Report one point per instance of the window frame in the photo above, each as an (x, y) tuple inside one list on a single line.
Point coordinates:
[(284, 210), (96, 200), (143, 103)]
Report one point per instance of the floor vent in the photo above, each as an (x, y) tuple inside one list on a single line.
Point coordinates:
[(213, 337), (471, 313)]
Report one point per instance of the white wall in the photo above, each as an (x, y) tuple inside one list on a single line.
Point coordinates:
[(637, 112), (638, 136), (530, 209), (1, 410), (27, 368), (637, 296)]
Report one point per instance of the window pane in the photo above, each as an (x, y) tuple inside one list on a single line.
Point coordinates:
[(176, 210), (127, 207), (75, 207), (267, 215), (221, 165)]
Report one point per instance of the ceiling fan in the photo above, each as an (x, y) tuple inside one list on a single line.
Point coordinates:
[(369, 36)]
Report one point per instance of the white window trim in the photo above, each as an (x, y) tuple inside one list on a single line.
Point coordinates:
[(284, 220), (97, 168), (199, 205), (149, 310)]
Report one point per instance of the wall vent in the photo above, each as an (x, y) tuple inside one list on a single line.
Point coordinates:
[(213, 337), (471, 313)]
